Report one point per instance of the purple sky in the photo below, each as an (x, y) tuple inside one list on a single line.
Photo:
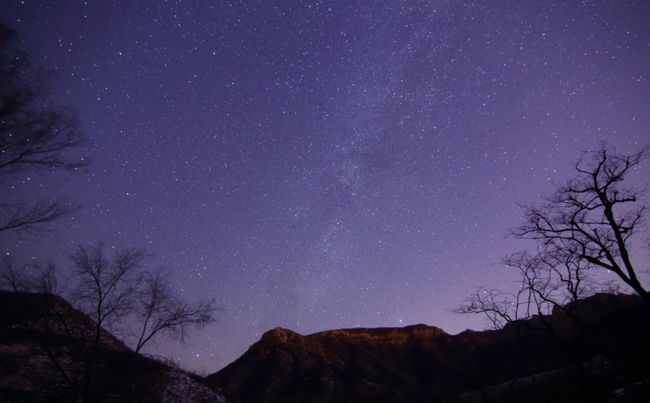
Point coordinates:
[(318, 165)]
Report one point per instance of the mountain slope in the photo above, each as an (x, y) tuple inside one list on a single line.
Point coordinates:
[(39, 332), (423, 363)]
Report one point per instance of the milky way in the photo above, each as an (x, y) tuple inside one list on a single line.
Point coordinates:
[(320, 165)]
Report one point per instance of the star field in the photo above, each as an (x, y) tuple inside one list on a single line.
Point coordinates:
[(317, 164)]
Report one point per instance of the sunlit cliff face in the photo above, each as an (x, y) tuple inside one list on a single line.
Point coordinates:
[(377, 335)]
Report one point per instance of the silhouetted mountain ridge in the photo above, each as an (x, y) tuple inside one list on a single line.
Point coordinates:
[(415, 363), (424, 363)]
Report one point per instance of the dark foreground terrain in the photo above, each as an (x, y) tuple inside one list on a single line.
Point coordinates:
[(424, 364), (604, 359), (44, 348)]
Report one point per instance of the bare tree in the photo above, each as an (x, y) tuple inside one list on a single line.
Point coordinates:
[(159, 310), (548, 284), (593, 217), (545, 284), (46, 281), (111, 289), (10, 278), (29, 217), (33, 135), (104, 288), (585, 226), (116, 292), (104, 291), (36, 277)]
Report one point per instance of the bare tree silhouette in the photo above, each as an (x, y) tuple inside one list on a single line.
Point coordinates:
[(593, 217), (33, 135), (545, 284), (159, 310), (116, 292), (36, 277), (104, 286), (585, 226)]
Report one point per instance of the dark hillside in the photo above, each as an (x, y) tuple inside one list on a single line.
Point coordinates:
[(35, 325), (423, 363)]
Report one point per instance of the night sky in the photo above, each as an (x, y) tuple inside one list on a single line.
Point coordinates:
[(317, 165)]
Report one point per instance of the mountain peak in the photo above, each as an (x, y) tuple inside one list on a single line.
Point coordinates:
[(280, 334), (421, 362)]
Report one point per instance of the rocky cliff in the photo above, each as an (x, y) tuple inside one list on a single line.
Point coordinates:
[(423, 363)]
